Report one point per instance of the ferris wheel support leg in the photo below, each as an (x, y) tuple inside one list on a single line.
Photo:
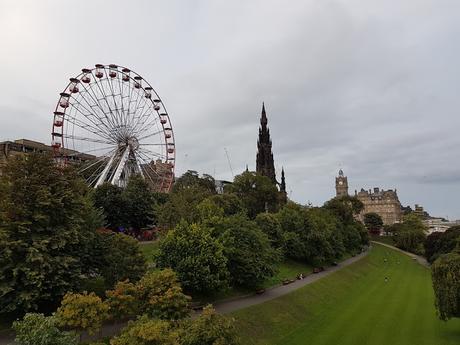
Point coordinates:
[(120, 167), (103, 176)]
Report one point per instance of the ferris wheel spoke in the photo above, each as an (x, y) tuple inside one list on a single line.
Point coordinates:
[(79, 123), (150, 135), (96, 161), (145, 115), (147, 153), (97, 129), (100, 86), (146, 126), (110, 83), (90, 91), (93, 140), (90, 112)]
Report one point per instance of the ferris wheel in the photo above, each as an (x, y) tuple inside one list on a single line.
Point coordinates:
[(113, 125)]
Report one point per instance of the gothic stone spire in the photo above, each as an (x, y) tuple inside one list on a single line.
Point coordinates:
[(283, 182), (264, 159)]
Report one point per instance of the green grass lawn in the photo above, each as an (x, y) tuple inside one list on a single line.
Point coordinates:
[(383, 239), (149, 249), (355, 306)]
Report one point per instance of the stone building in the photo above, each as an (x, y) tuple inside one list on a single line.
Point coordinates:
[(383, 202), (24, 146), (265, 164)]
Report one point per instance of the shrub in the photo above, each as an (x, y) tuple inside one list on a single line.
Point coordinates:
[(160, 296), (37, 329), (82, 311)]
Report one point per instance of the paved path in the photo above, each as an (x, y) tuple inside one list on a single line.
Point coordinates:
[(421, 260), (277, 291), (247, 301), (241, 302)]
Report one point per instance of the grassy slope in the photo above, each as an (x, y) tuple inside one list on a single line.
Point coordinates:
[(148, 249), (355, 306)]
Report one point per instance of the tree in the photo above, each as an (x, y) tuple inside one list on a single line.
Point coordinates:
[(160, 296), (132, 206), (145, 331), (109, 198), (182, 203), (209, 328), (345, 208), (191, 179), (257, 193), (121, 258), (196, 257), (231, 204), (140, 202), (250, 258), (410, 234), (37, 329), (271, 226), (323, 242), (122, 300), (42, 222), (373, 222), (445, 273), (82, 311), (439, 243)]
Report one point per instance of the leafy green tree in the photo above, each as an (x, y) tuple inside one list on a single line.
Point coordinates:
[(439, 243), (324, 242), (250, 258), (257, 193), (292, 218), (132, 206), (373, 222), (209, 328), (192, 179), (410, 234), (122, 300), (182, 205), (445, 273), (271, 226), (230, 203), (121, 258), (37, 329), (83, 312), (109, 198), (41, 224), (345, 208), (160, 296), (140, 202), (196, 257), (145, 331)]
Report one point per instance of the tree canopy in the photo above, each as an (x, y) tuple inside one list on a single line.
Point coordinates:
[(446, 283)]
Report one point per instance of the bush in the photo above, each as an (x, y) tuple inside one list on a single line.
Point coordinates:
[(82, 311), (209, 328), (445, 273), (439, 243), (123, 301), (37, 329), (160, 296), (196, 257), (121, 258), (145, 331)]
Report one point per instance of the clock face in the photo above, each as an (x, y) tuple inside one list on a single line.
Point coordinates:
[(340, 182)]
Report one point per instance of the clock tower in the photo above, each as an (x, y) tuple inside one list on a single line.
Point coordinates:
[(341, 184)]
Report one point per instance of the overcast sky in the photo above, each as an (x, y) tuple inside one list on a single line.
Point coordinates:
[(368, 86)]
